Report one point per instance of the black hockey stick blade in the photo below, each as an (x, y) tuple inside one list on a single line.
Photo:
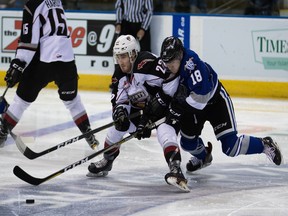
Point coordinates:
[(24, 176), (20, 173), (27, 152)]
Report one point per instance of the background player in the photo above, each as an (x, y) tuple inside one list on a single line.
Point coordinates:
[(44, 54)]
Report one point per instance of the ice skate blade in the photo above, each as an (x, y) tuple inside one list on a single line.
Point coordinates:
[(100, 174), (181, 185)]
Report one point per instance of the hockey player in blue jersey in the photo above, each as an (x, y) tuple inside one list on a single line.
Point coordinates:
[(201, 97)]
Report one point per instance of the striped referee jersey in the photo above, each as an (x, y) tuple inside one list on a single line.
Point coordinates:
[(135, 11)]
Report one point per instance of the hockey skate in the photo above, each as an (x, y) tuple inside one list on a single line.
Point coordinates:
[(100, 168), (195, 164), (92, 141), (271, 149), (175, 177)]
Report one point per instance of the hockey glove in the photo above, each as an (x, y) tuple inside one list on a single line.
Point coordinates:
[(14, 73), (3, 105), (181, 94), (158, 105), (120, 118), (142, 130), (174, 114)]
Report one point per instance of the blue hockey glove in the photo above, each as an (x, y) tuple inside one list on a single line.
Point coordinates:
[(3, 105)]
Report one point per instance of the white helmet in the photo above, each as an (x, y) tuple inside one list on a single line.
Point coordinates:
[(126, 44)]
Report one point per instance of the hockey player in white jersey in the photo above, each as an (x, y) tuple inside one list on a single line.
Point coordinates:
[(44, 54), (137, 81)]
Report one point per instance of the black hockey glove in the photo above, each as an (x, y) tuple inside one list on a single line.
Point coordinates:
[(120, 118), (155, 110), (177, 106), (14, 73), (174, 114), (143, 131), (158, 105), (181, 94)]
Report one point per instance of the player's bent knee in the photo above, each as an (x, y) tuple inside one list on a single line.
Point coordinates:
[(69, 104), (68, 91), (230, 145), (189, 144), (166, 134)]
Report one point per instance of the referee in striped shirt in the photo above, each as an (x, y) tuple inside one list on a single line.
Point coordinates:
[(134, 17)]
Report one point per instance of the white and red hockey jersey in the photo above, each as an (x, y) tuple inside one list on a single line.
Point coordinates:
[(148, 76), (44, 30)]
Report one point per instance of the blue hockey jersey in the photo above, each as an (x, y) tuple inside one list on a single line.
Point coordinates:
[(199, 78)]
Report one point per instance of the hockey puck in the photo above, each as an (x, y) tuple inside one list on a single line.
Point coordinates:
[(30, 201)]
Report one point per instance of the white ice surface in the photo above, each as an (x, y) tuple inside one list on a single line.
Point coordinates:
[(241, 186)]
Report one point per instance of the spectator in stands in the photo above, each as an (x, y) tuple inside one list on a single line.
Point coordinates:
[(200, 4), (184, 5), (17, 3), (262, 7), (158, 5)]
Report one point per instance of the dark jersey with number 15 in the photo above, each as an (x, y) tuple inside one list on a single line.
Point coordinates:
[(145, 80)]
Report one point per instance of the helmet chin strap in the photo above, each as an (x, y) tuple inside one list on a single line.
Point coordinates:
[(132, 60), (131, 71)]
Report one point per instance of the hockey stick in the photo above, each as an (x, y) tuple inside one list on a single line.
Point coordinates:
[(3, 103), (20, 173), (26, 151), (4, 93)]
